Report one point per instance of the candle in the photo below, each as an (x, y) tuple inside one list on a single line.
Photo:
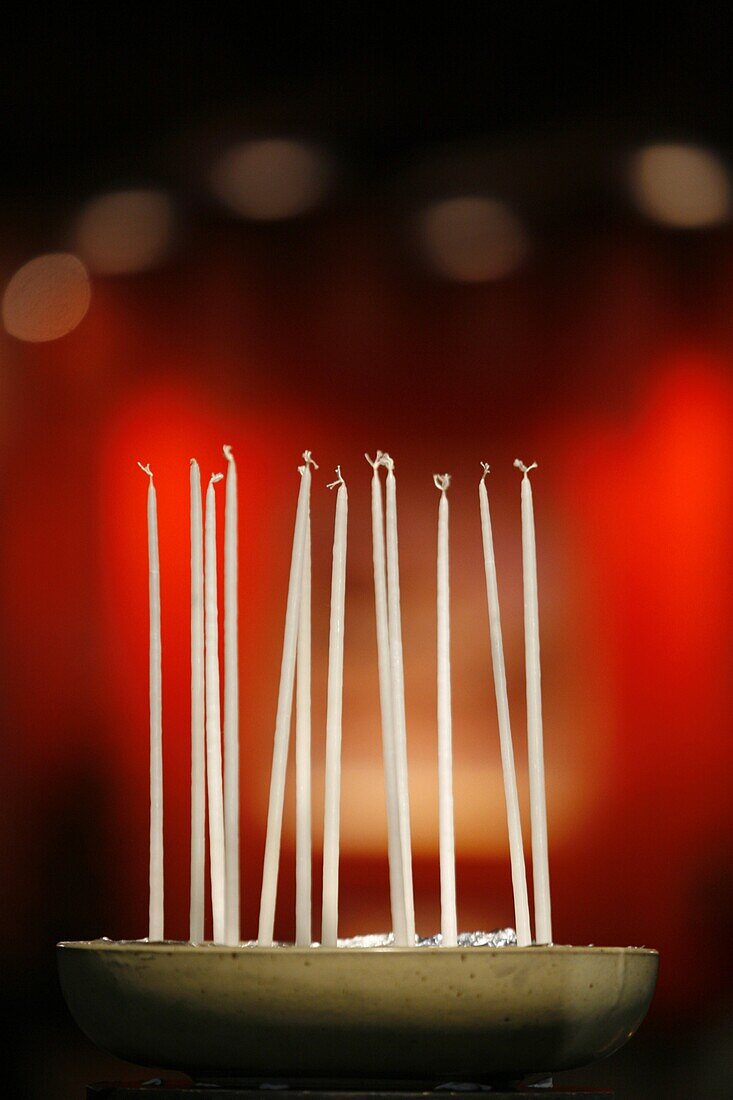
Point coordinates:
[(303, 757), (213, 718), (396, 893), (538, 811), (398, 695), (511, 797), (231, 707), (448, 920), (198, 745), (332, 798), (155, 908), (271, 861)]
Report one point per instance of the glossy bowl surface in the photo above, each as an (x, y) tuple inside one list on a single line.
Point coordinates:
[(397, 1014)]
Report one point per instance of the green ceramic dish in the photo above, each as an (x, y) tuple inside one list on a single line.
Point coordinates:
[(421, 1014)]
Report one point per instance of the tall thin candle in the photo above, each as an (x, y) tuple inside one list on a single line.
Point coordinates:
[(448, 920), (198, 714), (332, 798), (535, 751), (155, 907), (271, 862), (394, 852), (231, 706), (511, 796), (213, 718), (397, 678), (303, 842)]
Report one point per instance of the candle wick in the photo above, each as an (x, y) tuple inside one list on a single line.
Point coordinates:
[(214, 478), (146, 470), (525, 469), (486, 469), (339, 480), (228, 453), (441, 481), (378, 460)]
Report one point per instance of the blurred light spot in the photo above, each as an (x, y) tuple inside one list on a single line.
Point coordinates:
[(472, 239), (47, 297), (124, 231), (680, 185), (271, 180)]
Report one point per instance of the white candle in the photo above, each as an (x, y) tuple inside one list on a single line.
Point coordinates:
[(271, 861), (448, 920), (213, 718), (398, 696), (396, 892), (231, 706), (511, 797), (155, 908), (198, 744), (334, 705), (538, 810), (303, 937)]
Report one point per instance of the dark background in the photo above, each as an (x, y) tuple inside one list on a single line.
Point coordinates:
[(606, 355)]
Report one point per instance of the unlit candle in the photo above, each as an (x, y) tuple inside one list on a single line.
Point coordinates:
[(394, 852), (535, 750), (448, 920), (511, 796), (231, 706), (397, 678), (155, 907), (213, 718), (271, 861), (198, 718)]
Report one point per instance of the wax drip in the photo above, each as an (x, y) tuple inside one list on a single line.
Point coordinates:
[(525, 469), (339, 480), (441, 481)]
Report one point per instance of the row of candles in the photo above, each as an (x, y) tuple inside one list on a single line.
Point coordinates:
[(215, 774)]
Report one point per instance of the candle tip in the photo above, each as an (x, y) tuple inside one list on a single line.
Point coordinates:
[(309, 461), (228, 452), (146, 470), (387, 461), (376, 462), (525, 469), (485, 466), (441, 481), (339, 480), (193, 462), (214, 478)]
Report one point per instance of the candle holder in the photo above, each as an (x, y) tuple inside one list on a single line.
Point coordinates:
[(387, 1015)]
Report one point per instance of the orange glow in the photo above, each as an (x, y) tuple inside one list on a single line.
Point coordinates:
[(681, 186), (122, 232), (46, 298), (472, 239)]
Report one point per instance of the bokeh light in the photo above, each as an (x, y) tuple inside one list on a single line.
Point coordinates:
[(683, 186), (272, 179), (122, 232), (46, 298), (471, 238)]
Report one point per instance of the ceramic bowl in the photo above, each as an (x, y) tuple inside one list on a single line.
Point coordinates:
[(398, 1014)]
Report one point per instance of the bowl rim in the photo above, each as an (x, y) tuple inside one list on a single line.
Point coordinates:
[(185, 947)]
